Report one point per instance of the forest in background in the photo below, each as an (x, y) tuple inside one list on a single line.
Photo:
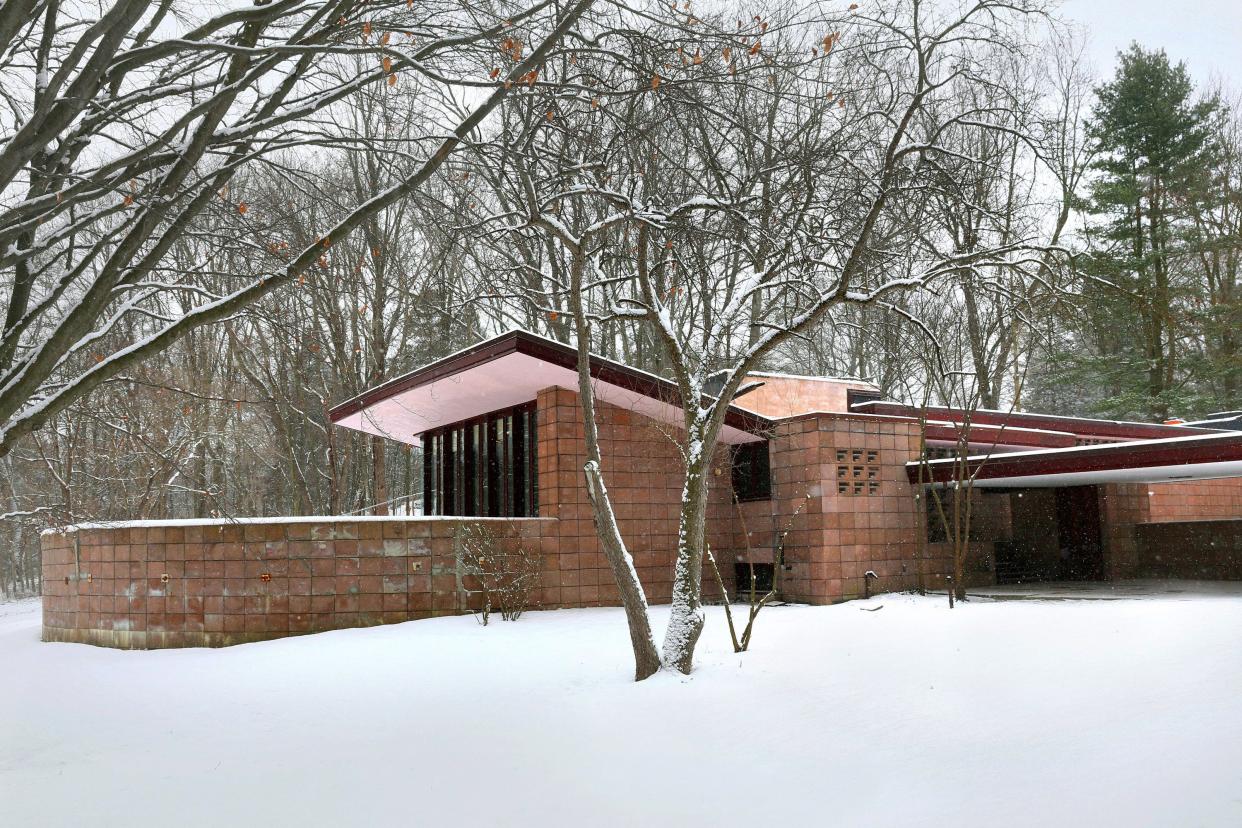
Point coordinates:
[(1093, 227)]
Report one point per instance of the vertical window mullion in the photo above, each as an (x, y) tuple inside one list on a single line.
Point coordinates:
[(425, 442), (446, 492), (495, 474), (447, 463), (472, 469), (437, 473), (507, 422), (532, 462), (435, 458), (484, 505), (519, 464), (463, 460), (457, 461)]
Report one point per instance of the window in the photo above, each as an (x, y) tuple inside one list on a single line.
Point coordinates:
[(752, 472), (484, 467), (765, 575), (854, 396)]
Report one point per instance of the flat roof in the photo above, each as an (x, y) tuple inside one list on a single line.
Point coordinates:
[(1192, 457), (1081, 426), (508, 370), (837, 380)]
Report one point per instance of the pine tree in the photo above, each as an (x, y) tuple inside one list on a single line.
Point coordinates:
[(1155, 144)]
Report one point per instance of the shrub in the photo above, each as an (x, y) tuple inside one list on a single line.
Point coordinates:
[(504, 574)]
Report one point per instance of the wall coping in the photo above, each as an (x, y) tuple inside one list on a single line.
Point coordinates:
[(267, 521), (1190, 520), (847, 415)]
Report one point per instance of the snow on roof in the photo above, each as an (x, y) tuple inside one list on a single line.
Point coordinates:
[(263, 521), (1224, 422), (1006, 428), (482, 343), (1018, 412), (778, 374), (1108, 448)]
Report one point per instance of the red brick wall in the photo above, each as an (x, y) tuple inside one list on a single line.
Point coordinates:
[(644, 472), (177, 585), (204, 584), (991, 519), (837, 537), (1134, 551), (1122, 507), (1197, 500), (106, 585)]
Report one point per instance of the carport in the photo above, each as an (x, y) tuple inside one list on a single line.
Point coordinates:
[(1061, 500), (1057, 535)]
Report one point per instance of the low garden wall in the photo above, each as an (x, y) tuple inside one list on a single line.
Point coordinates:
[(214, 583)]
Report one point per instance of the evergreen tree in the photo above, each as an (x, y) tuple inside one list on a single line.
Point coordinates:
[(1156, 148)]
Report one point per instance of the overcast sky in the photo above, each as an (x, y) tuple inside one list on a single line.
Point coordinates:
[(1206, 34)]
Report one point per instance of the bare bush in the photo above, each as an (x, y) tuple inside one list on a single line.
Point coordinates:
[(504, 575), (755, 599)]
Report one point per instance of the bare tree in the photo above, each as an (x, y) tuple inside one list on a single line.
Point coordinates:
[(740, 186), (125, 136)]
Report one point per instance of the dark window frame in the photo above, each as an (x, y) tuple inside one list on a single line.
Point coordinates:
[(751, 480), (765, 577), (485, 466), (854, 396)]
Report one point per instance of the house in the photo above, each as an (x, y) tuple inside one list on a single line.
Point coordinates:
[(819, 475), (818, 483)]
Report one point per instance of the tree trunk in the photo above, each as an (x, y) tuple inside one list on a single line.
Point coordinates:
[(379, 473), (334, 485), (686, 623), (646, 658), (633, 599)]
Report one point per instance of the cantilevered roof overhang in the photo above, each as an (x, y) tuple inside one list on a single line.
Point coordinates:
[(508, 370), (1025, 421), (1194, 457)]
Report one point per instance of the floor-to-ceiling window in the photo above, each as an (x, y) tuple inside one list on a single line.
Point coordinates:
[(486, 466)]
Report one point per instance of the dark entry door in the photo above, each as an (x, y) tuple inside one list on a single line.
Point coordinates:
[(1078, 533)]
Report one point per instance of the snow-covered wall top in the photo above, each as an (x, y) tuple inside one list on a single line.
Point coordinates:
[(241, 521)]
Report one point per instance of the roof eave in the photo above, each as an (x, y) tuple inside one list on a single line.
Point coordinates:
[(548, 350), (1153, 454)]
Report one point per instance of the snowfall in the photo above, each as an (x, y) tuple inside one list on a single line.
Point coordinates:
[(892, 711)]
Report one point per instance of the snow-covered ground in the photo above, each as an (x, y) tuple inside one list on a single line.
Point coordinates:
[(1122, 712)]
